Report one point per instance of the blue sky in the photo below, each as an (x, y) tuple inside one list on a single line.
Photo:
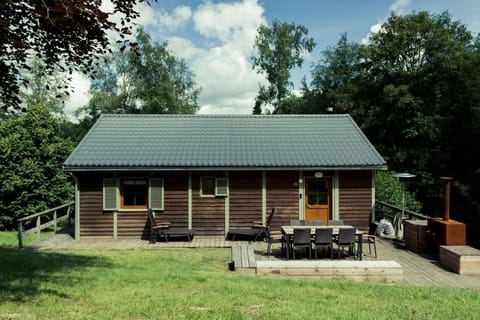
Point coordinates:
[(216, 37)]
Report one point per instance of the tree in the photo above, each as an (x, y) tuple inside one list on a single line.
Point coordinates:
[(45, 88), (31, 173), (67, 34), (279, 49), (419, 75), (413, 89), (150, 80), (334, 77)]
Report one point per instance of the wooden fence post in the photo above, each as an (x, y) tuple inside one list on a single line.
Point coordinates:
[(20, 234), (55, 221), (38, 228)]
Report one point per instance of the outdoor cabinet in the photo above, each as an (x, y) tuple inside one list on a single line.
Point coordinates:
[(416, 235)]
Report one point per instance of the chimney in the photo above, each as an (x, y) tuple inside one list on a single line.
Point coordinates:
[(447, 182)]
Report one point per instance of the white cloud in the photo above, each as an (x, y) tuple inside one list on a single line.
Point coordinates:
[(180, 16), (223, 70), (184, 48), (399, 6), (79, 87)]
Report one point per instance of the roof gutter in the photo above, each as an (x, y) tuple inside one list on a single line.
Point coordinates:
[(160, 169)]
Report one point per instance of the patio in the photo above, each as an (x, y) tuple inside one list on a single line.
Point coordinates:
[(418, 269)]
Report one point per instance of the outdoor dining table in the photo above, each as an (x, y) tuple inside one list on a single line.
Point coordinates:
[(287, 231)]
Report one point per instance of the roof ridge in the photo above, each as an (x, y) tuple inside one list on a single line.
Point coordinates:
[(124, 115)]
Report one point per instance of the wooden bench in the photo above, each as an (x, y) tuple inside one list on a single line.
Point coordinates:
[(372, 271), (243, 259), (461, 259)]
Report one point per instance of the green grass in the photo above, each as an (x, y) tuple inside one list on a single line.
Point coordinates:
[(196, 284)]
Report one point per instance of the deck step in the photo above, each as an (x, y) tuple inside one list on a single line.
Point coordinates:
[(243, 258), (387, 271)]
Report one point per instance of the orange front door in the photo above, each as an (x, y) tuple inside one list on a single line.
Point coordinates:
[(318, 199)]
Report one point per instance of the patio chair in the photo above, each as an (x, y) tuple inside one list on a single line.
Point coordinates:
[(296, 222), (323, 239), (256, 231), (301, 239), (370, 239), (157, 228), (346, 239), (275, 237), (315, 223)]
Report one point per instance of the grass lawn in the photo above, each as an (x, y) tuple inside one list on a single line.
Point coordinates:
[(196, 284)]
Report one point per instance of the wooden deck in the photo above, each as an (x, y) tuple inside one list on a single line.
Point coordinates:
[(418, 269)]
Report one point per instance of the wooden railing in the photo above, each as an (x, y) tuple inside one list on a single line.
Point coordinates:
[(410, 214), (51, 214)]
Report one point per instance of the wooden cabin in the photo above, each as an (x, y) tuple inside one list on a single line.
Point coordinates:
[(216, 172)]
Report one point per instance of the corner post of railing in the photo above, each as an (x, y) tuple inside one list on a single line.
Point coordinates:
[(55, 221), (68, 215), (20, 234), (38, 228)]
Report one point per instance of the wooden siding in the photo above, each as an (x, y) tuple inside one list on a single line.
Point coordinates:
[(245, 198), (282, 194), (355, 198), (130, 224), (208, 213), (93, 222)]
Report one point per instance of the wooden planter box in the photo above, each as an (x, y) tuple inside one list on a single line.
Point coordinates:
[(461, 259)]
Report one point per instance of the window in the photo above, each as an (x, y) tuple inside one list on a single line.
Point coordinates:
[(132, 194), (207, 186), (211, 187)]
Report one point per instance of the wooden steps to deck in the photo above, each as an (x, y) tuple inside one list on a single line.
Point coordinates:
[(385, 271), (243, 259)]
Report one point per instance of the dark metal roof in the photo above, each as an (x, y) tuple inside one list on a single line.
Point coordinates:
[(161, 142)]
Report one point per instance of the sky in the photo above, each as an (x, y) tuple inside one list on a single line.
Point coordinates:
[(216, 38)]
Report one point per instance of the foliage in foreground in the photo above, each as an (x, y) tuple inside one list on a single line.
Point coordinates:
[(31, 157), (196, 284)]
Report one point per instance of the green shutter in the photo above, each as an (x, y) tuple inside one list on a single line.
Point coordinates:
[(110, 194), (221, 188), (156, 194)]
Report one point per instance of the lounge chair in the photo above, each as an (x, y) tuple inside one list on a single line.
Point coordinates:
[(157, 229)]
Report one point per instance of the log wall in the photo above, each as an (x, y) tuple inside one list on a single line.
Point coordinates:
[(355, 198)]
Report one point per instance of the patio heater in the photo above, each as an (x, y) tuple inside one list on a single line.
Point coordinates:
[(402, 176)]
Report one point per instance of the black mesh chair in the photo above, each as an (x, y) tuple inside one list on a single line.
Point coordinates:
[(323, 239), (315, 223), (301, 239), (346, 239)]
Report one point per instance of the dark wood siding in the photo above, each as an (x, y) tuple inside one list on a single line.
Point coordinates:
[(282, 194), (355, 198), (93, 222), (130, 224), (208, 213), (245, 198), (135, 224)]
